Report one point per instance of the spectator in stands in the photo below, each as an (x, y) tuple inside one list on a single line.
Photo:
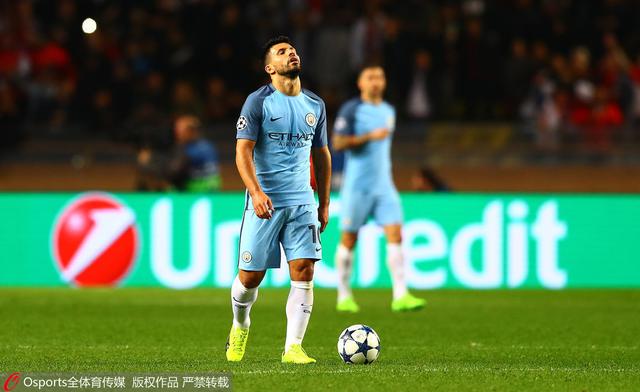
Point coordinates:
[(194, 164), (185, 99), (518, 71), (219, 100), (10, 112), (615, 76), (191, 166), (149, 60), (478, 59), (634, 73), (598, 120), (367, 36), (419, 96)]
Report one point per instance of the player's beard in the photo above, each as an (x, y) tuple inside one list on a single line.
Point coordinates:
[(375, 93), (291, 71)]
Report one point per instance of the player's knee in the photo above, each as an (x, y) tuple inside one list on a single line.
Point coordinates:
[(251, 279), (302, 271), (348, 240), (394, 238)]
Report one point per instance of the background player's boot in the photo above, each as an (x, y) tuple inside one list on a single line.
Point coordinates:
[(348, 305), (407, 302), (236, 343), (296, 354)]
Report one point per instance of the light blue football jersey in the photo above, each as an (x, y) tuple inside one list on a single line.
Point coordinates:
[(284, 129), (367, 168)]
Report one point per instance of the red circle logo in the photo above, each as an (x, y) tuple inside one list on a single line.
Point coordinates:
[(11, 382), (95, 241)]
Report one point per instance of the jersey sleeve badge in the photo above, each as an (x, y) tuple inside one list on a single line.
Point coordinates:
[(241, 124)]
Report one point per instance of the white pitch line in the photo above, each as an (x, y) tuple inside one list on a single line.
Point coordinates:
[(386, 348), (404, 369)]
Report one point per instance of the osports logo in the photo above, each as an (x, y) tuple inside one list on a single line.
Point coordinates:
[(11, 382), (95, 240)]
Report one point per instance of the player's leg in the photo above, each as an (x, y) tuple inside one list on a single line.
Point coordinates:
[(402, 299), (259, 250), (300, 240), (395, 261), (388, 213), (344, 266), (299, 307), (355, 210), (244, 293)]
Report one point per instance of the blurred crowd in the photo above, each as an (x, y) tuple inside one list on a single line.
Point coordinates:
[(562, 69)]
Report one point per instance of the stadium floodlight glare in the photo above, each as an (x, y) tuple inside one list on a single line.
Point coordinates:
[(89, 26)]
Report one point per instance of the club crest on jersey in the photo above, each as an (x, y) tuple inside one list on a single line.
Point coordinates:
[(246, 256), (310, 118), (242, 123)]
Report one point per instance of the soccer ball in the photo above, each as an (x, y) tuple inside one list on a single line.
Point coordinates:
[(359, 344)]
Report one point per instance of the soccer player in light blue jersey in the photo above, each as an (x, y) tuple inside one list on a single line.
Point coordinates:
[(364, 128), (280, 125)]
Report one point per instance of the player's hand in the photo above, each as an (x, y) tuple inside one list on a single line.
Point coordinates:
[(378, 134), (323, 217), (144, 156), (262, 205)]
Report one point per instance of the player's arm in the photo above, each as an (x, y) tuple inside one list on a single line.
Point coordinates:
[(322, 165), (346, 142), (344, 134), (244, 161), (178, 170), (247, 134)]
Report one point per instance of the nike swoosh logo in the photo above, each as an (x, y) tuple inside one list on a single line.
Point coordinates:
[(318, 249), (238, 304), (276, 119)]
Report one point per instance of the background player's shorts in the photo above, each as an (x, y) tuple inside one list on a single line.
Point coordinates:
[(357, 207), (297, 228)]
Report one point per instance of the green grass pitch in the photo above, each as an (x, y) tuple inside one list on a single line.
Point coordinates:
[(576, 340)]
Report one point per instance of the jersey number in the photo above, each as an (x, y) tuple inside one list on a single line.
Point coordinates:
[(315, 234)]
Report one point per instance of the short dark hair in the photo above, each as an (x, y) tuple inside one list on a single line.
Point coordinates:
[(369, 65), (272, 42)]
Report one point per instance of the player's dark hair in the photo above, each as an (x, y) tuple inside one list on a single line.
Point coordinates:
[(369, 65), (272, 42)]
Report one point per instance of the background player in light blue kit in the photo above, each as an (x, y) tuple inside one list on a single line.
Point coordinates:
[(364, 127), (280, 125)]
